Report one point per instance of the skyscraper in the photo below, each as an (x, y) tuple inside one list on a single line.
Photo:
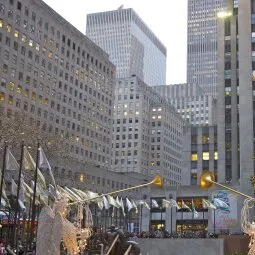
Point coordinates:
[(236, 90), (55, 75), (131, 45), (202, 43)]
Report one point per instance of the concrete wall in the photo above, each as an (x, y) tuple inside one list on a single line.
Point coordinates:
[(181, 246)]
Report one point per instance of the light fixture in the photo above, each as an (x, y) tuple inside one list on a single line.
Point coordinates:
[(224, 14)]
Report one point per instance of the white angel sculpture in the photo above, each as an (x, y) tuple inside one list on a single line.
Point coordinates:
[(247, 227), (53, 227)]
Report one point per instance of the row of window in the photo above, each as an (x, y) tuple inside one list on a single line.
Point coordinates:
[(205, 156)]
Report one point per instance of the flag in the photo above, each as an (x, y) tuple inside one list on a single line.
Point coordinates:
[(220, 204), (29, 166), (4, 199), (195, 213), (122, 207), (134, 205), (154, 203), (129, 204), (175, 204), (75, 196), (146, 205), (207, 204), (111, 201), (44, 164), (11, 162), (118, 202), (106, 204), (41, 193), (140, 202), (14, 192), (166, 204), (193, 205), (184, 206), (100, 203)]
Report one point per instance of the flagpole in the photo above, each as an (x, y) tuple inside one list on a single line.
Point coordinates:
[(3, 171), (34, 194), (18, 189)]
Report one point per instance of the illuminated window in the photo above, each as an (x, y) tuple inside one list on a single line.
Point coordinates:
[(215, 155), (46, 101), (9, 28), (33, 96), (1, 23), (24, 38), (152, 163), (81, 177), (125, 113), (153, 109), (50, 54), (137, 113), (125, 106), (205, 155), (16, 33), (10, 100), (154, 117), (26, 92), (159, 117), (19, 89), (37, 46), (11, 86), (1, 96), (31, 42), (194, 157), (159, 109), (205, 138)]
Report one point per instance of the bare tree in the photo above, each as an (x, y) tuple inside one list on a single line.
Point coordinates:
[(18, 127)]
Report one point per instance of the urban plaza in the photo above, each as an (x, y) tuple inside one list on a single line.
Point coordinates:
[(122, 135)]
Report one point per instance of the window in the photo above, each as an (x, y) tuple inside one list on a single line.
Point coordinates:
[(194, 157), (205, 155), (215, 155), (1, 23), (81, 177)]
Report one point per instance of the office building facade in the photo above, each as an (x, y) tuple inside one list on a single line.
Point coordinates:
[(236, 90), (58, 77), (200, 153), (191, 102), (147, 133), (202, 43), (131, 45)]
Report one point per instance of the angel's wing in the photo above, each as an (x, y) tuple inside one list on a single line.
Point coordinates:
[(252, 249), (44, 232), (70, 237), (49, 234)]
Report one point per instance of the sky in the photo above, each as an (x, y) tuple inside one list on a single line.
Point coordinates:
[(166, 18)]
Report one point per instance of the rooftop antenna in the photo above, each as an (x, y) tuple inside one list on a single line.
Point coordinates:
[(121, 7)]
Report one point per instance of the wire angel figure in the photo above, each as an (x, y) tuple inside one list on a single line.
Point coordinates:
[(54, 226), (247, 226), (49, 232)]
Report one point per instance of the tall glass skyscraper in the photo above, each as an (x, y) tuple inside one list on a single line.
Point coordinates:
[(202, 43), (131, 45)]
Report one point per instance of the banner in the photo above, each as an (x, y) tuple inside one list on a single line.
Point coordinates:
[(225, 217)]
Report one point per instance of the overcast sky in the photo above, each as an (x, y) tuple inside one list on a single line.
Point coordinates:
[(166, 18)]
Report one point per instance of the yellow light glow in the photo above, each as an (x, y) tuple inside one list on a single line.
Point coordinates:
[(224, 14)]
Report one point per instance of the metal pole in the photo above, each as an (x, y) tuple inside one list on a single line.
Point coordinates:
[(34, 194), (3, 171), (17, 198), (171, 220), (214, 221)]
